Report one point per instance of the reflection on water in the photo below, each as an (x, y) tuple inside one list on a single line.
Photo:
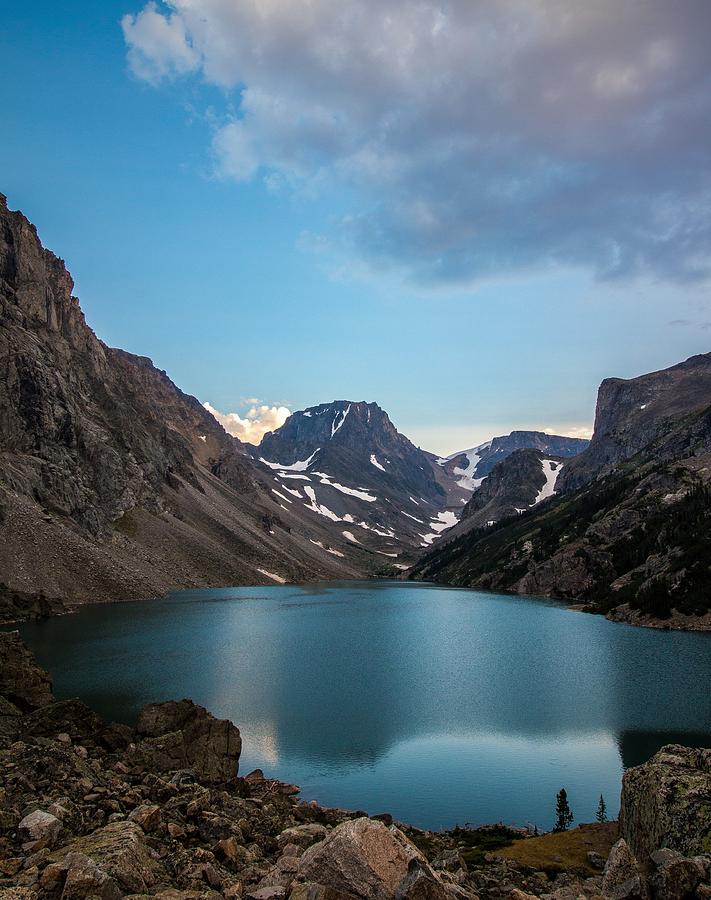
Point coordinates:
[(439, 705)]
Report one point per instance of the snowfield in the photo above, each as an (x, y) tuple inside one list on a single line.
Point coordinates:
[(551, 469)]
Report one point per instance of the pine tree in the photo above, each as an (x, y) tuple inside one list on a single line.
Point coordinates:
[(563, 814), (601, 814)]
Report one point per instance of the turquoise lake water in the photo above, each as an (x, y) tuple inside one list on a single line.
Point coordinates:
[(440, 706)]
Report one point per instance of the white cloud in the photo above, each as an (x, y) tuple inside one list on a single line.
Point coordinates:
[(158, 46), (472, 137), (256, 423)]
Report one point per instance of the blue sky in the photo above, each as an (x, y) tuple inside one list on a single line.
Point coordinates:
[(256, 244)]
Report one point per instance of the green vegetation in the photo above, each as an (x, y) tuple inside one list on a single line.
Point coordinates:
[(563, 814), (601, 814), (477, 842)]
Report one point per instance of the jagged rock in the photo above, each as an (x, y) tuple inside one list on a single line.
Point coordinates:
[(420, 883), (311, 891), (676, 877), (362, 857), (621, 879), (77, 877), (147, 816), (302, 835), (666, 803), (40, 829), (120, 851), (22, 682), (184, 735)]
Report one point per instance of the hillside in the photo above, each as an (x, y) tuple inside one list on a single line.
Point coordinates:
[(113, 482), (632, 542)]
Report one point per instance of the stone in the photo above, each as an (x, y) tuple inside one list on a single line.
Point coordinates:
[(621, 879), (676, 879), (665, 803), (420, 883), (119, 849), (39, 828), (309, 890), (362, 857), (266, 893), (147, 816), (595, 860), (25, 684), (70, 717), (179, 735), (302, 835), (85, 879), (516, 894)]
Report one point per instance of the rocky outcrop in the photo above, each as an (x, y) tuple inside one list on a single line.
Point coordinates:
[(633, 413), (22, 682), (183, 735), (666, 803)]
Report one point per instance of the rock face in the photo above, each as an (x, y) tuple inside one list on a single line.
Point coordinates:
[(22, 682), (630, 543), (183, 735), (114, 483), (667, 803), (632, 413)]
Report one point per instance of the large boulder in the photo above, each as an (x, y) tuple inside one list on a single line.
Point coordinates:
[(117, 851), (182, 735), (22, 681), (363, 858), (667, 803), (622, 879)]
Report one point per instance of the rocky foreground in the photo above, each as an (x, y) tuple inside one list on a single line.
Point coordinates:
[(89, 809)]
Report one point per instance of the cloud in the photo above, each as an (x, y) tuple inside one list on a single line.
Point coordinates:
[(574, 431), (471, 138), (256, 423)]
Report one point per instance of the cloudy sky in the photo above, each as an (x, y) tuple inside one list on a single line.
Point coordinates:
[(470, 212)]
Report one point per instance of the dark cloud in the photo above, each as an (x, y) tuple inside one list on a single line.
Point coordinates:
[(475, 138)]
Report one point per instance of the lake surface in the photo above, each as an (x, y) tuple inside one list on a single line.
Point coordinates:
[(439, 705)]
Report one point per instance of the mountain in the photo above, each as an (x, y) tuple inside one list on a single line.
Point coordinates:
[(346, 462), (632, 541), (468, 468), (113, 482)]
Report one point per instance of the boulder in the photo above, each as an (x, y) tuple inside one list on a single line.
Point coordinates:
[(77, 877), (65, 718), (621, 879), (183, 735), (302, 835), (676, 877), (309, 890), (25, 684), (120, 851), (665, 803), (40, 829), (147, 816), (362, 858)]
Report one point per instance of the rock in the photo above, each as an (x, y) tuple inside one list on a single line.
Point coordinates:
[(83, 878), (595, 860), (665, 803), (362, 857), (71, 717), (516, 894), (302, 835), (119, 850), (266, 893), (420, 883), (147, 816), (25, 684), (676, 878), (40, 829), (621, 879), (309, 890), (178, 735)]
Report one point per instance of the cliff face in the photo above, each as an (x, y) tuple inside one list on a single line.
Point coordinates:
[(632, 413), (113, 482)]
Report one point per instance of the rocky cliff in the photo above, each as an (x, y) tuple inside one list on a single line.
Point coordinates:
[(113, 482), (632, 543)]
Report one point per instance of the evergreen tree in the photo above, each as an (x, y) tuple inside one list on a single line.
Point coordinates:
[(563, 814), (601, 814)]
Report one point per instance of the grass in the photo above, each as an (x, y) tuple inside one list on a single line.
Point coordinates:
[(475, 843), (563, 850)]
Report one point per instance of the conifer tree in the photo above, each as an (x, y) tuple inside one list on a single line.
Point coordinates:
[(563, 814), (601, 814)]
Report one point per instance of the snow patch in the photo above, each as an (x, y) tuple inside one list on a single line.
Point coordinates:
[(202, 437), (467, 481), (348, 535), (317, 507), (414, 518), (335, 427), (551, 469), (327, 549), (281, 496), (271, 575), (299, 466), (374, 461)]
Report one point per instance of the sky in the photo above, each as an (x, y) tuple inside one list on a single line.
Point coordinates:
[(470, 213)]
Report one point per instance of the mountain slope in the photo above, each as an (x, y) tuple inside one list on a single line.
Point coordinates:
[(114, 483), (632, 542), (346, 462)]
